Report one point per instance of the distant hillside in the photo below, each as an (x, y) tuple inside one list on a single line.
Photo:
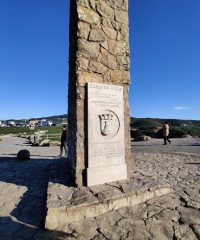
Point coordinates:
[(157, 122), (52, 118), (152, 127)]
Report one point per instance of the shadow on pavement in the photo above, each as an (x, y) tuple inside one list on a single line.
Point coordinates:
[(193, 163), (26, 143), (149, 145), (9, 230), (188, 145), (156, 145), (40, 156), (34, 175), (10, 154)]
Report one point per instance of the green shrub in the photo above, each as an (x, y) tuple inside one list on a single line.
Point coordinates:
[(50, 129), (14, 130), (17, 130), (148, 131), (176, 132), (145, 122)]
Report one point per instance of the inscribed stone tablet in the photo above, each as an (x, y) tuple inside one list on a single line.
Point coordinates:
[(105, 132)]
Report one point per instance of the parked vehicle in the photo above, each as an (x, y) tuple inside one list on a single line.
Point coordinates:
[(45, 123)]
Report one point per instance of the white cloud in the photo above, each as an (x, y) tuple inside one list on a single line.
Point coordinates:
[(179, 108)]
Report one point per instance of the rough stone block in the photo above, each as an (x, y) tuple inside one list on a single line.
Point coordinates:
[(121, 17), (88, 49), (105, 10), (87, 15), (97, 35), (110, 32), (85, 77), (83, 30)]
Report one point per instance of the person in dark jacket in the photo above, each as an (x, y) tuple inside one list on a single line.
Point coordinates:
[(63, 141)]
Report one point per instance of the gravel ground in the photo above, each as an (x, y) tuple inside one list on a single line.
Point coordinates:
[(176, 216), (178, 145), (11, 145)]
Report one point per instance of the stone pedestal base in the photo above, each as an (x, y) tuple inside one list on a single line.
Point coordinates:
[(106, 174), (67, 205)]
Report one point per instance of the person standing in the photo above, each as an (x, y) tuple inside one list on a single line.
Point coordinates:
[(63, 141), (165, 129)]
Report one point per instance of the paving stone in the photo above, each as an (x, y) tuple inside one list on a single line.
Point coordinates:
[(184, 232), (108, 220), (196, 230), (159, 229), (136, 212), (85, 229), (189, 215)]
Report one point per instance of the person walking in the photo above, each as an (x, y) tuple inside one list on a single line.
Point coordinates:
[(63, 141), (165, 129)]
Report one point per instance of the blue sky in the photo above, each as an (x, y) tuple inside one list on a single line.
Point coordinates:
[(165, 58)]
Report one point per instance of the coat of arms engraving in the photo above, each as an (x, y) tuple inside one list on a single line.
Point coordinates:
[(109, 123)]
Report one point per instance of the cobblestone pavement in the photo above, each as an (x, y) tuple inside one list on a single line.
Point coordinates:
[(174, 216)]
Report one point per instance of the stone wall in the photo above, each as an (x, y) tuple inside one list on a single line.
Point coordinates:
[(99, 52)]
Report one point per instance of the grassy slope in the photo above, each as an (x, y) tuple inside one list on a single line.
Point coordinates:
[(156, 122), (16, 130)]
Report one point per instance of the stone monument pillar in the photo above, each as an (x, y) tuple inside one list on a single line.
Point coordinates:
[(98, 109)]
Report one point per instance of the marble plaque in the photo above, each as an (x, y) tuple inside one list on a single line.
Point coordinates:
[(105, 134)]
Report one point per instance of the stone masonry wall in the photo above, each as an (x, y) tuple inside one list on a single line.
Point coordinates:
[(99, 52)]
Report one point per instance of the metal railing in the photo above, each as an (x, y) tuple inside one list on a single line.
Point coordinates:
[(44, 135), (49, 136)]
